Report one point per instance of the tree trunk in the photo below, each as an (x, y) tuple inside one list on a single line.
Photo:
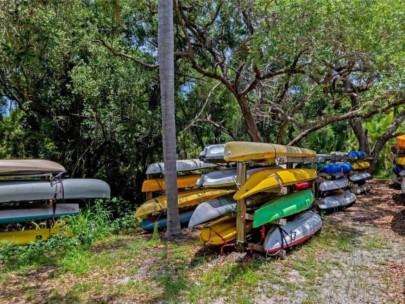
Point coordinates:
[(249, 120), (166, 71), (361, 134), (379, 145)]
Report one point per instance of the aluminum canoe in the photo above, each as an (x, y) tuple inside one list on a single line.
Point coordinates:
[(330, 185), (181, 166), (29, 166), (337, 201)]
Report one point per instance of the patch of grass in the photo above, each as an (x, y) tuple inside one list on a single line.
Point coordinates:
[(76, 261), (373, 242)]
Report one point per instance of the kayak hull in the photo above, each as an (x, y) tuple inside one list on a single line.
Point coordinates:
[(29, 166), (330, 185), (37, 213), (296, 231), (149, 225), (181, 166), (159, 184), (28, 236), (282, 207), (211, 210), (337, 201)]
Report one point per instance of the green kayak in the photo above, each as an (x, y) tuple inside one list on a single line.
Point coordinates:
[(282, 207)]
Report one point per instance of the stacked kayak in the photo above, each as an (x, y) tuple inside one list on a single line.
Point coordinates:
[(360, 174), (32, 190), (334, 179), (398, 176)]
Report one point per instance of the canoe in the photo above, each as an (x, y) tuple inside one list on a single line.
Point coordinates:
[(149, 224), (181, 166), (329, 185), (243, 151), (222, 231), (303, 185), (282, 207), (72, 188), (159, 184), (185, 199), (27, 236), (213, 153), (400, 142), (273, 182), (360, 189), (337, 201), (29, 166), (227, 178), (37, 212), (296, 231), (212, 209), (361, 165), (335, 168), (323, 157), (356, 178), (400, 161)]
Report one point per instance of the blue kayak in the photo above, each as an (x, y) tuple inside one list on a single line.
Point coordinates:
[(398, 169), (335, 168), (356, 154), (148, 224)]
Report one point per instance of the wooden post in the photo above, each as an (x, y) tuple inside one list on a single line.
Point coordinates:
[(241, 210), (148, 194), (290, 189)]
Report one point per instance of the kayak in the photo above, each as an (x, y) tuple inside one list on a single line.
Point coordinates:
[(366, 175), (361, 165), (337, 201), (25, 237), (222, 231), (149, 224), (37, 212), (356, 154), (227, 178), (211, 210), (159, 184), (329, 185), (181, 166), (213, 153), (400, 142), (303, 185), (282, 207), (296, 231), (29, 166), (360, 189), (400, 161), (59, 189), (337, 168), (243, 151), (185, 199), (273, 182), (356, 178)]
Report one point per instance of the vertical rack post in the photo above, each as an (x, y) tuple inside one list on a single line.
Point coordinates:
[(241, 210), (148, 194), (290, 189)]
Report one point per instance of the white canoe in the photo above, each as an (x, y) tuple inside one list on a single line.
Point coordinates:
[(213, 153), (356, 178), (37, 212), (29, 166), (211, 210), (223, 178), (337, 201), (181, 166), (329, 185), (74, 188), (360, 189), (296, 231)]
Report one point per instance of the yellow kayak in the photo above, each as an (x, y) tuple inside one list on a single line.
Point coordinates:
[(159, 184), (27, 236), (361, 165), (185, 199), (222, 231), (401, 161), (242, 151), (400, 142), (274, 182)]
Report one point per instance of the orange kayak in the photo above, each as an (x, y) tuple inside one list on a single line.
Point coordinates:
[(159, 184)]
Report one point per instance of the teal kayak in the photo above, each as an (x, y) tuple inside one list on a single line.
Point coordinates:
[(282, 207)]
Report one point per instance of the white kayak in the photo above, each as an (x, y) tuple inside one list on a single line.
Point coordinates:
[(356, 178), (223, 178), (73, 188), (211, 210), (330, 185), (403, 186), (360, 189), (213, 153), (181, 166), (366, 175), (37, 212), (29, 166), (337, 201), (296, 231)]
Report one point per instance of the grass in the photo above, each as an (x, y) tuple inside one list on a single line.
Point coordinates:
[(134, 268)]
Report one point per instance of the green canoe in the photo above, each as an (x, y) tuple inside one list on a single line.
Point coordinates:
[(282, 207)]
